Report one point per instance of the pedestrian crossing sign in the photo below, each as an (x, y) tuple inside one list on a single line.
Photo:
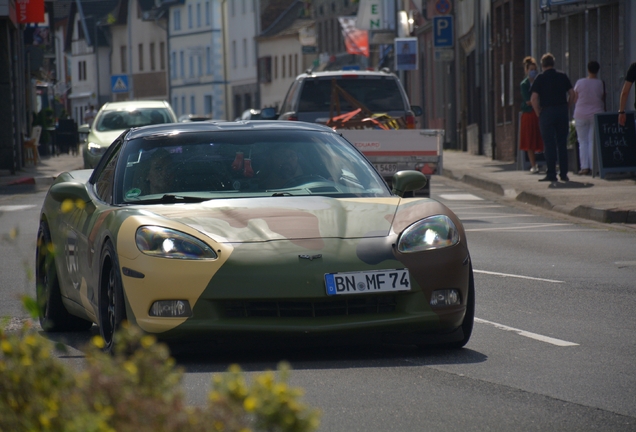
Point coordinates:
[(119, 83)]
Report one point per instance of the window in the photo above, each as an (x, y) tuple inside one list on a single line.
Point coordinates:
[(198, 14), (295, 64), (81, 71), (192, 109), (177, 19), (232, 11), (162, 56), (200, 65), (207, 13), (207, 105), (244, 52), (189, 16), (191, 66), (153, 65), (105, 179), (208, 60), (182, 63), (265, 70), (173, 66), (234, 54), (276, 67), (289, 63), (243, 7), (282, 67), (175, 103), (183, 107), (141, 57), (122, 58)]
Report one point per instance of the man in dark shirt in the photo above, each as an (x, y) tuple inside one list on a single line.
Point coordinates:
[(630, 77), (552, 95)]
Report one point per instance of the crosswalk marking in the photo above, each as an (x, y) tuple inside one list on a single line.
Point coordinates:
[(460, 197)]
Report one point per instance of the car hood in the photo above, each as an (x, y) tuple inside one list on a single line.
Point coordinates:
[(297, 218), (104, 139)]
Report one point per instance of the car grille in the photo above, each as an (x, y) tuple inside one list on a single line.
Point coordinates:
[(371, 305)]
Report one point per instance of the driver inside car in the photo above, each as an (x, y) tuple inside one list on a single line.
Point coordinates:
[(285, 166)]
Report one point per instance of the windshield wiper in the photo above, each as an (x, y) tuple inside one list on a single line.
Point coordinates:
[(173, 199), (277, 194)]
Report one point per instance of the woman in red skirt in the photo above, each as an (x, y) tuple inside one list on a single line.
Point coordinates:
[(530, 134)]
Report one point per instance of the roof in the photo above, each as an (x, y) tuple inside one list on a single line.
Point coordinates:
[(220, 126), (134, 103)]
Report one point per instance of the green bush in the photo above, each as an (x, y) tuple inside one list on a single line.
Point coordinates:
[(135, 389)]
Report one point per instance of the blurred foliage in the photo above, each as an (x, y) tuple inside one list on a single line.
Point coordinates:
[(137, 388)]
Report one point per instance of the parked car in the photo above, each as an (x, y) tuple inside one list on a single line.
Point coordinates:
[(192, 118), (114, 118), (309, 97), (250, 114), (210, 229)]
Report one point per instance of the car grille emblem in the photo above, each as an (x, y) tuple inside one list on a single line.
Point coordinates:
[(310, 257)]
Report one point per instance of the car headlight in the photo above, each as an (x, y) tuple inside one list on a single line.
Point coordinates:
[(434, 232), (167, 243), (96, 149)]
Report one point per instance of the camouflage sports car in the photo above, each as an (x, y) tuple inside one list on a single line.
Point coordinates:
[(223, 229)]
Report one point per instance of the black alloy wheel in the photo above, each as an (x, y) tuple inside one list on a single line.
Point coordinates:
[(112, 310)]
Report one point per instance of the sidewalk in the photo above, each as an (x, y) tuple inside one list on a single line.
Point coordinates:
[(610, 200), (44, 172)]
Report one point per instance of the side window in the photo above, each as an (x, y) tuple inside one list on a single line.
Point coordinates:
[(106, 178), (289, 99)]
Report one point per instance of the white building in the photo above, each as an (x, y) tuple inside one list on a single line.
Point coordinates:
[(195, 46), (280, 54), (243, 24)]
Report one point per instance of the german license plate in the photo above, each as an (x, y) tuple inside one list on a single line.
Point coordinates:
[(375, 281), (386, 168)]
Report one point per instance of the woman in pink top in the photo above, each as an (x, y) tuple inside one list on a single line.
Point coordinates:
[(590, 99)]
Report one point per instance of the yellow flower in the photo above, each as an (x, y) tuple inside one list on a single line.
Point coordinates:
[(130, 367), (30, 340), (98, 341), (67, 205), (6, 347), (147, 341), (45, 421), (250, 403)]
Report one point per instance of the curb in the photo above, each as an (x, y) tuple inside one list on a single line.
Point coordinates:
[(40, 181)]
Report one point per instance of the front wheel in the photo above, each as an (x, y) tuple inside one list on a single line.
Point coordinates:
[(112, 310), (53, 315)]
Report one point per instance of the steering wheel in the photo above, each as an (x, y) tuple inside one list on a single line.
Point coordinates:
[(301, 179)]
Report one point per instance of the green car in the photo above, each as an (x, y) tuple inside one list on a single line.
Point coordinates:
[(265, 228), (114, 118)]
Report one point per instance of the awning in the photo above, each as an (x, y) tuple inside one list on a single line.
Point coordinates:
[(80, 95)]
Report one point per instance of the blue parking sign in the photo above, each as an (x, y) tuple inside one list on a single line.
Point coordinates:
[(119, 83), (443, 35)]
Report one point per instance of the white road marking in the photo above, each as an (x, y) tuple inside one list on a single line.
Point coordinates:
[(474, 216), (547, 339), (516, 276), (622, 264), (460, 197), (528, 226), (9, 208)]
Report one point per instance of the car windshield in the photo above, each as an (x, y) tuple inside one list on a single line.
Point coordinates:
[(378, 94), (124, 119), (192, 166)]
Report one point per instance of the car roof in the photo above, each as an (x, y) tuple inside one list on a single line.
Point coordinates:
[(345, 72), (134, 104), (220, 126)]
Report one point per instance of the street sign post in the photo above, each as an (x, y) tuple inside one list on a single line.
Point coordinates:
[(119, 83), (443, 34)]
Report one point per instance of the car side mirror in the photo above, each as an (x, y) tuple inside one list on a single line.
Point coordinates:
[(268, 113), (407, 181), (69, 190), (417, 110), (85, 128)]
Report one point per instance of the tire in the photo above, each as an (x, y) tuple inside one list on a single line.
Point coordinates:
[(53, 314), (112, 309), (469, 318)]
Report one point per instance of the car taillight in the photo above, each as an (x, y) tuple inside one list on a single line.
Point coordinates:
[(292, 117), (410, 122)]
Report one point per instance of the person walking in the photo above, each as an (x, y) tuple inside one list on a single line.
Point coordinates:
[(530, 139), (552, 95), (630, 77), (89, 115), (589, 99)]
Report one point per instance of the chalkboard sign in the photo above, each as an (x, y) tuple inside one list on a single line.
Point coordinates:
[(615, 144)]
